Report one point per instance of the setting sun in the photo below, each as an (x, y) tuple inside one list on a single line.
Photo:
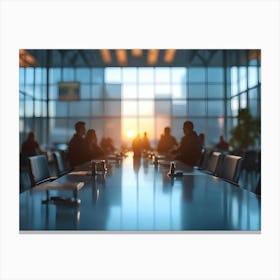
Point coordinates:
[(130, 133)]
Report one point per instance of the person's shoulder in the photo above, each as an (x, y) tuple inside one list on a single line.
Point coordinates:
[(184, 138), (36, 144), (194, 133), (75, 138)]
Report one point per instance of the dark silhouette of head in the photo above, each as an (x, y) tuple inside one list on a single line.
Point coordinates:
[(80, 128), (188, 127), (167, 130), (91, 135), (31, 136)]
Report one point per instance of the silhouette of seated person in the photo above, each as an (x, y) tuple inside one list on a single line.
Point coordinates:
[(146, 142), (76, 148), (107, 145), (167, 142), (137, 146), (30, 147), (222, 145), (189, 149), (91, 146)]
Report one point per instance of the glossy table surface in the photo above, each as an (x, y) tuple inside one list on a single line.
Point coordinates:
[(135, 195)]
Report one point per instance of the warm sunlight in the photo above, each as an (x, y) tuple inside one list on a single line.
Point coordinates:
[(130, 134), (132, 126)]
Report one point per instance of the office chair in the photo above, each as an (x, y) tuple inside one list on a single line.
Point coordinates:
[(213, 163), (41, 180), (39, 170), (250, 159), (258, 187), (60, 166), (205, 154), (230, 168)]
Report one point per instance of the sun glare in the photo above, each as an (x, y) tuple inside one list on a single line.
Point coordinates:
[(130, 134)]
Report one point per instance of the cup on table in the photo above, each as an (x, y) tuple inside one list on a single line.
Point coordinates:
[(155, 159), (101, 166), (93, 168)]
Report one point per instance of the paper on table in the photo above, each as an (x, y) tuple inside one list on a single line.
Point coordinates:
[(60, 186), (78, 173)]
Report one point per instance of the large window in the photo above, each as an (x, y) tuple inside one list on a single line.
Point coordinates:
[(119, 102)]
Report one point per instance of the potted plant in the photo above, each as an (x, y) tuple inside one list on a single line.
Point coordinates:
[(247, 132)]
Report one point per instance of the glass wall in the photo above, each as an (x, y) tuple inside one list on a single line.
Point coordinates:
[(119, 102), (33, 103), (245, 90)]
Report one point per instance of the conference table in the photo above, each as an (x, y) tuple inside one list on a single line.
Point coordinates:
[(136, 195)]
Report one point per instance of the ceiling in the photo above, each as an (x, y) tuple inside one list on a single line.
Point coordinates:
[(135, 57)]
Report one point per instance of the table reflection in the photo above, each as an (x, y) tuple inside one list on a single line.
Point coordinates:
[(136, 195)]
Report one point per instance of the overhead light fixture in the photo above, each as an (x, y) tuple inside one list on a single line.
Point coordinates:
[(137, 52), (169, 55), (106, 56), (153, 57), (121, 57), (254, 54), (26, 59), (250, 55)]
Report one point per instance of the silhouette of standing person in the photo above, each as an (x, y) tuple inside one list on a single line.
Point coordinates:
[(137, 146), (167, 142), (146, 142), (189, 150), (76, 148)]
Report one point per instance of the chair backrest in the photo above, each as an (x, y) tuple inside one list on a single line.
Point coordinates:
[(258, 187), (205, 154), (250, 158), (59, 163), (230, 168), (38, 169), (213, 162)]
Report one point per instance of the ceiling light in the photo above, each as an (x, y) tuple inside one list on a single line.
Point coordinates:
[(254, 54), (26, 59), (153, 56), (121, 57), (137, 52), (169, 55), (106, 56)]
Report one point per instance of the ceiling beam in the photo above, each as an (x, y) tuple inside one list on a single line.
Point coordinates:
[(192, 56), (213, 52), (201, 58), (82, 54), (74, 57)]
